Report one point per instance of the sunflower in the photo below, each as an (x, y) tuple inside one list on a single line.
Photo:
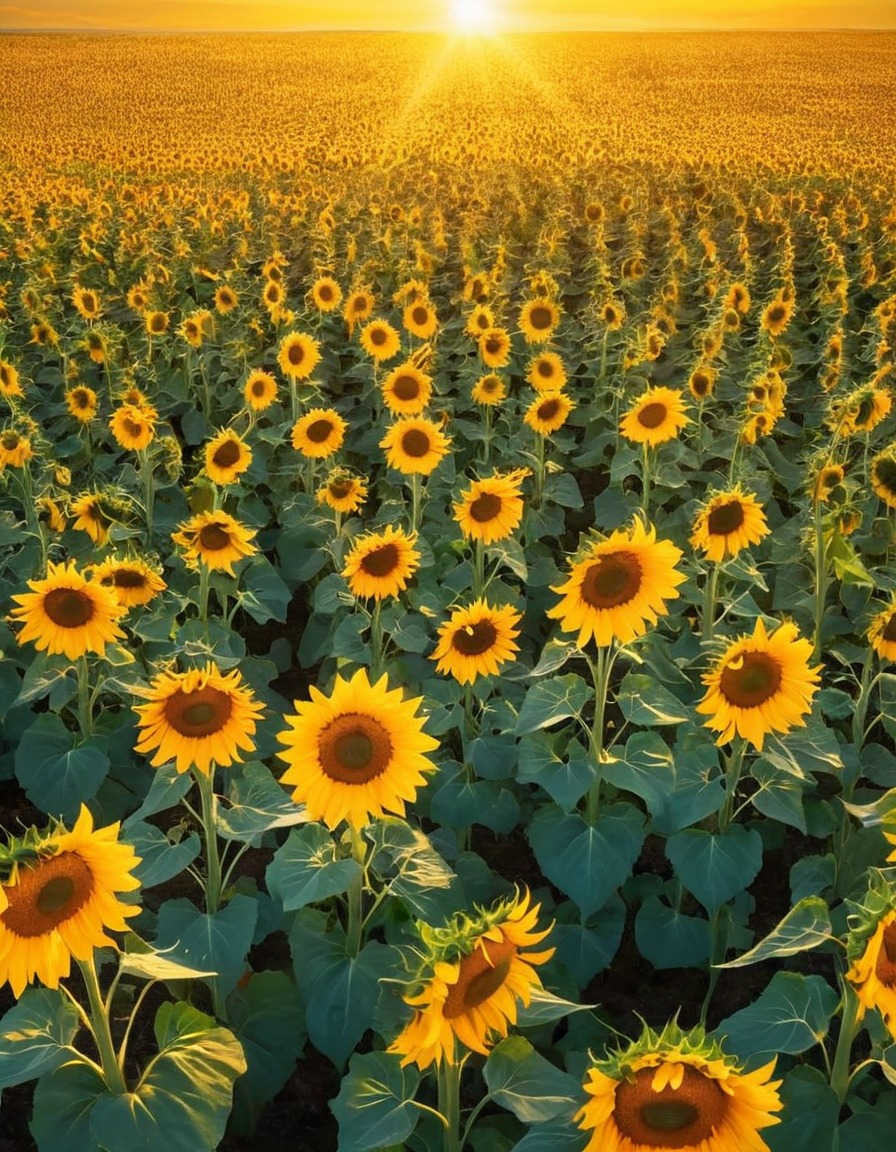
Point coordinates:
[(546, 372), (319, 433), (381, 563), (326, 294), (133, 581), (476, 288), (738, 297), (475, 973), (538, 319), (490, 509), (548, 412), (133, 427), (215, 539), (762, 683), (138, 298), (620, 587), (883, 475), (479, 320), (45, 334), (677, 1090), (299, 355), (406, 390), (225, 299), (342, 492), (612, 315), (195, 327), (94, 516), (156, 323), (359, 306), (420, 319), (777, 316), (415, 446), (494, 347), (871, 948), (476, 640), (227, 457), (489, 390), (728, 522), (260, 390), (882, 632), (656, 416), (82, 403), (199, 718), (15, 449), (702, 382), (87, 302), (356, 754), (59, 900), (10, 385), (50, 514), (67, 615), (380, 340)]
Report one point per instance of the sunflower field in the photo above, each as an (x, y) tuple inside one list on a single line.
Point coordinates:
[(447, 527)]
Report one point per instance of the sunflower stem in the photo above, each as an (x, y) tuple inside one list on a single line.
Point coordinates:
[(603, 355), (709, 603), (102, 1032), (416, 488), (213, 878), (600, 674), (849, 1025), (449, 1103), (293, 400), (85, 709), (645, 480), (203, 593), (377, 644), (478, 569), (310, 469), (849, 776), (719, 925), (539, 470), (355, 895), (734, 763), (149, 491), (487, 438), (821, 578)]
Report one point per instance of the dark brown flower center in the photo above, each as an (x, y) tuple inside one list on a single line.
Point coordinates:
[(889, 629), (885, 969), (474, 639), (88, 302), (381, 561), (549, 410), (612, 580), (415, 442), (339, 489), (69, 607), (406, 388), (319, 431), (81, 398), (200, 713), (214, 537), (489, 384), (295, 354), (726, 518), (132, 427), (545, 368), (750, 679), (272, 293), (673, 1118), (259, 388), (46, 894), (700, 384), (227, 454), (541, 318), (487, 506), (378, 336), (354, 748), (884, 474), (10, 440), (420, 315), (127, 578), (325, 292), (481, 975), (653, 414), (358, 305), (776, 313)]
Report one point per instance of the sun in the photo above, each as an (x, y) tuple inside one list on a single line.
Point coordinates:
[(472, 15)]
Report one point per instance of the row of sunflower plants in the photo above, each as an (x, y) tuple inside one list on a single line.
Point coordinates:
[(663, 674)]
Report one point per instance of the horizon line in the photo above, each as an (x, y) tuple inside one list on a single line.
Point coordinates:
[(447, 31)]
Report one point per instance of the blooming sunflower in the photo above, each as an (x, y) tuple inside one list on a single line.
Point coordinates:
[(548, 412), (319, 433), (871, 947), (342, 492), (355, 754), (82, 403), (358, 306), (133, 427), (66, 615), (702, 382), (477, 971), (677, 1090), (381, 563), (87, 302), (420, 319), (326, 294), (489, 389), (476, 640), (380, 340), (227, 457), (197, 718), (415, 445), (612, 314), (655, 417), (260, 390), (479, 320), (777, 316), (133, 581), (538, 319), (728, 522), (490, 509), (406, 390), (546, 372), (299, 355), (59, 900), (15, 449), (10, 385), (494, 347), (225, 299), (619, 587), (156, 323), (762, 683), (50, 514), (95, 515), (882, 632), (216, 539)]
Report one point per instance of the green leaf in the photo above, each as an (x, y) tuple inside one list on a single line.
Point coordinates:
[(526, 1084), (678, 789), (554, 655), (670, 939), (714, 867), (63, 1108), (255, 803), (644, 701), (42, 675), (263, 594), (544, 1007), (461, 802), (791, 1015), (555, 1136), (415, 873), (562, 767), (307, 868), (510, 553), (812, 875), (587, 863), (142, 960), (585, 950), (807, 925), (216, 943), (34, 1035), (58, 774), (551, 701), (374, 1108), (780, 793), (809, 1116), (168, 788), (183, 1098), (160, 858)]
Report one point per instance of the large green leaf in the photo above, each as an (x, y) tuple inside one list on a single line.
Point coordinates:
[(809, 1116), (374, 1108), (183, 1098), (160, 857), (791, 1015), (669, 938), (63, 1108), (307, 868), (646, 702), (461, 802), (404, 857), (526, 1084), (57, 773), (715, 866), (555, 1136), (564, 768), (586, 949), (217, 943), (807, 925), (255, 803), (35, 1034), (549, 701)]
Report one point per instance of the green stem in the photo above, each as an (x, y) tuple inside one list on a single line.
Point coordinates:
[(849, 776), (355, 895), (377, 643), (487, 439), (203, 593), (416, 489), (645, 480), (733, 767), (85, 710), (478, 569), (213, 880), (293, 400), (310, 474), (449, 1104), (849, 1026), (709, 602), (603, 356), (719, 924), (821, 578), (539, 470), (102, 1032), (600, 674), (149, 491), (470, 725)]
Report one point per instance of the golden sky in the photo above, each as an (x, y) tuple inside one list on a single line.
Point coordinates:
[(430, 15)]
